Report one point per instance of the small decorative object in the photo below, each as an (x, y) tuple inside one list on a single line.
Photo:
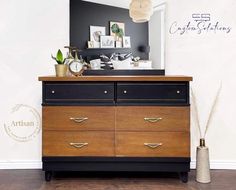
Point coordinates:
[(77, 66), (61, 68), (122, 57), (69, 58), (118, 44), (90, 44), (203, 163), (107, 42), (105, 58), (126, 42), (136, 59), (141, 10), (95, 33), (117, 29), (95, 64)]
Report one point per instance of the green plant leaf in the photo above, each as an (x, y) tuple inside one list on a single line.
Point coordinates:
[(59, 57), (120, 33), (115, 28)]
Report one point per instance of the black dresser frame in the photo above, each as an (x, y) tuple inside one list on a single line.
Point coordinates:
[(116, 164)]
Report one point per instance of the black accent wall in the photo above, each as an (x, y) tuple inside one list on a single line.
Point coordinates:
[(83, 14)]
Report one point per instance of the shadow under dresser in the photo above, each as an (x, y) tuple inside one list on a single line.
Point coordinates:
[(116, 123)]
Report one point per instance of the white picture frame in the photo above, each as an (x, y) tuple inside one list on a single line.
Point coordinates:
[(90, 44), (95, 33), (107, 41), (126, 42), (120, 26)]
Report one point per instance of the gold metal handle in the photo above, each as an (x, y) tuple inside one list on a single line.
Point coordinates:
[(153, 120), (78, 145), (153, 145), (79, 119)]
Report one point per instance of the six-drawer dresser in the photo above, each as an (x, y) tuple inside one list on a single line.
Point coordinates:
[(116, 123)]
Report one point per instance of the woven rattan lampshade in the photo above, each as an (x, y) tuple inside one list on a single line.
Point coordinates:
[(141, 10)]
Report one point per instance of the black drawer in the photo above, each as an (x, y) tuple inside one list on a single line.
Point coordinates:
[(77, 93), (161, 93)]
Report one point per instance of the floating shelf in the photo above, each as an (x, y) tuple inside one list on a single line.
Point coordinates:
[(105, 48)]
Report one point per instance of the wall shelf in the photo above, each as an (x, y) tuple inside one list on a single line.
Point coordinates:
[(106, 48)]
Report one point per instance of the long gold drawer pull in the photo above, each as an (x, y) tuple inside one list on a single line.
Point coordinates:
[(79, 119), (153, 120), (153, 145), (78, 145)]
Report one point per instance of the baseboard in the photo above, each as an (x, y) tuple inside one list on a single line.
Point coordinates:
[(218, 165), (21, 165), (229, 165)]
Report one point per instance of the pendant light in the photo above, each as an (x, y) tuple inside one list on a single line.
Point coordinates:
[(141, 10)]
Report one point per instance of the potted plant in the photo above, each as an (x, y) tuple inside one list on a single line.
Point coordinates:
[(117, 31), (61, 68)]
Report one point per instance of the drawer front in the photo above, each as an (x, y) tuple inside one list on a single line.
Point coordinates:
[(78, 118), (56, 143), (166, 93), (151, 118), (77, 93), (153, 144)]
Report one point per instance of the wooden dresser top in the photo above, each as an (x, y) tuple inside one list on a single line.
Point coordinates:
[(117, 78)]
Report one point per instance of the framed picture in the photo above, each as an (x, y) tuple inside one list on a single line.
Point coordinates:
[(117, 29), (95, 33), (118, 44), (107, 42), (126, 42), (90, 44)]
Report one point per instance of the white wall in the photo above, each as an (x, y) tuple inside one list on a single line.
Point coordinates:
[(209, 58), (31, 29), (155, 39)]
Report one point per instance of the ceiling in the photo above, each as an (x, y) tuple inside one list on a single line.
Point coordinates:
[(122, 3)]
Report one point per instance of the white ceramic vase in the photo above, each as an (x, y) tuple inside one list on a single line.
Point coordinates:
[(203, 164)]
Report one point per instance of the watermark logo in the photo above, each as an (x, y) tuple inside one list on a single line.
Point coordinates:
[(199, 23), (24, 124)]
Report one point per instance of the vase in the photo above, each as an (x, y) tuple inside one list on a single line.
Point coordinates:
[(203, 164), (61, 70)]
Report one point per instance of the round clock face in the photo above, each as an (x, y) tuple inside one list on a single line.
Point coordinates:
[(76, 67)]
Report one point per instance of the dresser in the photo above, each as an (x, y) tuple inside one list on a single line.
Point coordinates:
[(116, 123)]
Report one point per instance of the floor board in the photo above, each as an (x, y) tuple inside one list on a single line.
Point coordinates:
[(34, 180)]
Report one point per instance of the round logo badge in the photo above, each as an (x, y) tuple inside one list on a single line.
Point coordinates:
[(24, 123)]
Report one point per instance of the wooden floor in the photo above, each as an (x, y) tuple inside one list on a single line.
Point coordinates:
[(34, 180)]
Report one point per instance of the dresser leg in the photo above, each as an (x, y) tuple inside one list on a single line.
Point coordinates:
[(48, 175), (183, 177)]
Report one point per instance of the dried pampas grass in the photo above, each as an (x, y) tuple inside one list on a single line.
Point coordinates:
[(213, 108)]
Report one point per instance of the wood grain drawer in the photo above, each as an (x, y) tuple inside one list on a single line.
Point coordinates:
[(153, 144), (78, 118), (159, 93), (94, 143), (77, 93), (150, 118)]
